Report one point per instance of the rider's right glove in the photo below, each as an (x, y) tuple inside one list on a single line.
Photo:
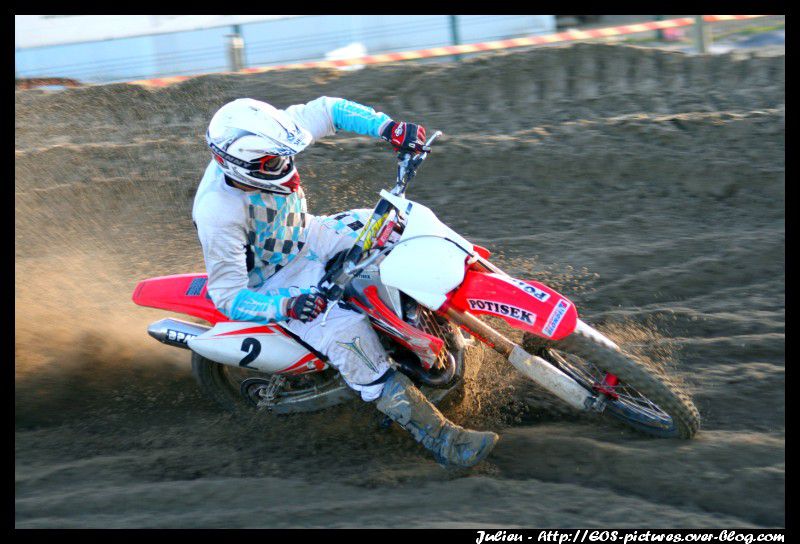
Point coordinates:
[(306, 307), (405, 136)]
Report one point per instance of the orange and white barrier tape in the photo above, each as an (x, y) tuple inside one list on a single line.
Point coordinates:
[(560, 37)]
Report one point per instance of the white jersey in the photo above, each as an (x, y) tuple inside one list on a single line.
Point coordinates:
[(247, 236)]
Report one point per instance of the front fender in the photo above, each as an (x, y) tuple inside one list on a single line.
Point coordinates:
[(527, 305)]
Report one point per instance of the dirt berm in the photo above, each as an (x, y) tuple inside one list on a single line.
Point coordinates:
[(647, 185)]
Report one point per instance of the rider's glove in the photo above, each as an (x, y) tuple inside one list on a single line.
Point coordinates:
[(306, 307), (405, 136)]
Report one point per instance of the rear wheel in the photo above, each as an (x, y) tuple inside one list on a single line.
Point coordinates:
[(642, 399), (239, 390)]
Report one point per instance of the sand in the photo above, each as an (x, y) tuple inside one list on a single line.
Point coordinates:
[(646, 185)]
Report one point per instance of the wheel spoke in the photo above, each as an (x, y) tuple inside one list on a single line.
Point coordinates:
[(590, 375), (644, 400)]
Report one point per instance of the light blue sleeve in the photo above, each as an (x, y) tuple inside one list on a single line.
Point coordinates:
[(354, 117), (261, 308), (251, 306)]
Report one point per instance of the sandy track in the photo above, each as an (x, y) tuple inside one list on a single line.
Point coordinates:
[(648, 186)]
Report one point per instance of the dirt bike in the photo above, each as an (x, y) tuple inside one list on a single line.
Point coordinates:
[(423, 286)]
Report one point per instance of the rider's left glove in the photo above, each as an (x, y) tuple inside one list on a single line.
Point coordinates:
[(306, 307), (405, 136)]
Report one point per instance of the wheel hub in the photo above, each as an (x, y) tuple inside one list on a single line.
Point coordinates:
[(262, 392)]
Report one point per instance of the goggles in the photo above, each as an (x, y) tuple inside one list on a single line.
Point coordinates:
[(272, 164), (268, 167)]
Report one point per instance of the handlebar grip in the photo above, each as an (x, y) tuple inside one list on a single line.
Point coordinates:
[(435, 135)]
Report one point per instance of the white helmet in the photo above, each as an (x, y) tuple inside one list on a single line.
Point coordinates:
[(254, 144)]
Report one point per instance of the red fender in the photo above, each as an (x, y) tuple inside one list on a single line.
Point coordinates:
[(184, 293), (526, 305), (482, 251)]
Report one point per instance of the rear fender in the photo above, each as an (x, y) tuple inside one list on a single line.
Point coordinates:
[(184, 293), (266, 348), (527, 305)]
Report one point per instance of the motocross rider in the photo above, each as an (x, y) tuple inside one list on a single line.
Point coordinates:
[(265, 253)]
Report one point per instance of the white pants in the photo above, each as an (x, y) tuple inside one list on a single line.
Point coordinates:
[(347, 339)]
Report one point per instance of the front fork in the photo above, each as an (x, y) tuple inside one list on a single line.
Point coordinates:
[(535, 368)]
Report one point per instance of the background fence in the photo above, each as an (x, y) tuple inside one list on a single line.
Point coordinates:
[(277, 41)]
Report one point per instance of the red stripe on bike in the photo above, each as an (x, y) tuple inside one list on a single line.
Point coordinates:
[(305, 359), (251, 330)]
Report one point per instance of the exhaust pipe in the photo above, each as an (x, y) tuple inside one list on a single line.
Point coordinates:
[(175, 332), (442, 380)]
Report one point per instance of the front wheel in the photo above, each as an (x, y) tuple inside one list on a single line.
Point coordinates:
[(641, 399)]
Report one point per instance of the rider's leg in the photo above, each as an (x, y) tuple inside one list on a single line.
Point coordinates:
[(451, 444), (352, 346)]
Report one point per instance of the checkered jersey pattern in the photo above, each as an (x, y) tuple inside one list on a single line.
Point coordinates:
[(348, 223), (277, 226)]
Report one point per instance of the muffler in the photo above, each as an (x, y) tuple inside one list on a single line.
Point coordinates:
[(175, 332)]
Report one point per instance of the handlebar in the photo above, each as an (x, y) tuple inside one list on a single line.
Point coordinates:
[(333, 283), (407, 165)]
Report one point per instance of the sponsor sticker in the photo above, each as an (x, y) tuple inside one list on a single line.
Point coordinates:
[(196, 287), (555, 317), (535, 292), (384, 235), (371, 232), (502, 309), (178, 336)]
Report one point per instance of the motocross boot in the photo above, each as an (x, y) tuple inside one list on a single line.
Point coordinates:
[(450, 443)]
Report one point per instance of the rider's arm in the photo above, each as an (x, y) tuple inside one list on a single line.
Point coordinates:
[(251, 306), (326, 115), (224, 242)]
